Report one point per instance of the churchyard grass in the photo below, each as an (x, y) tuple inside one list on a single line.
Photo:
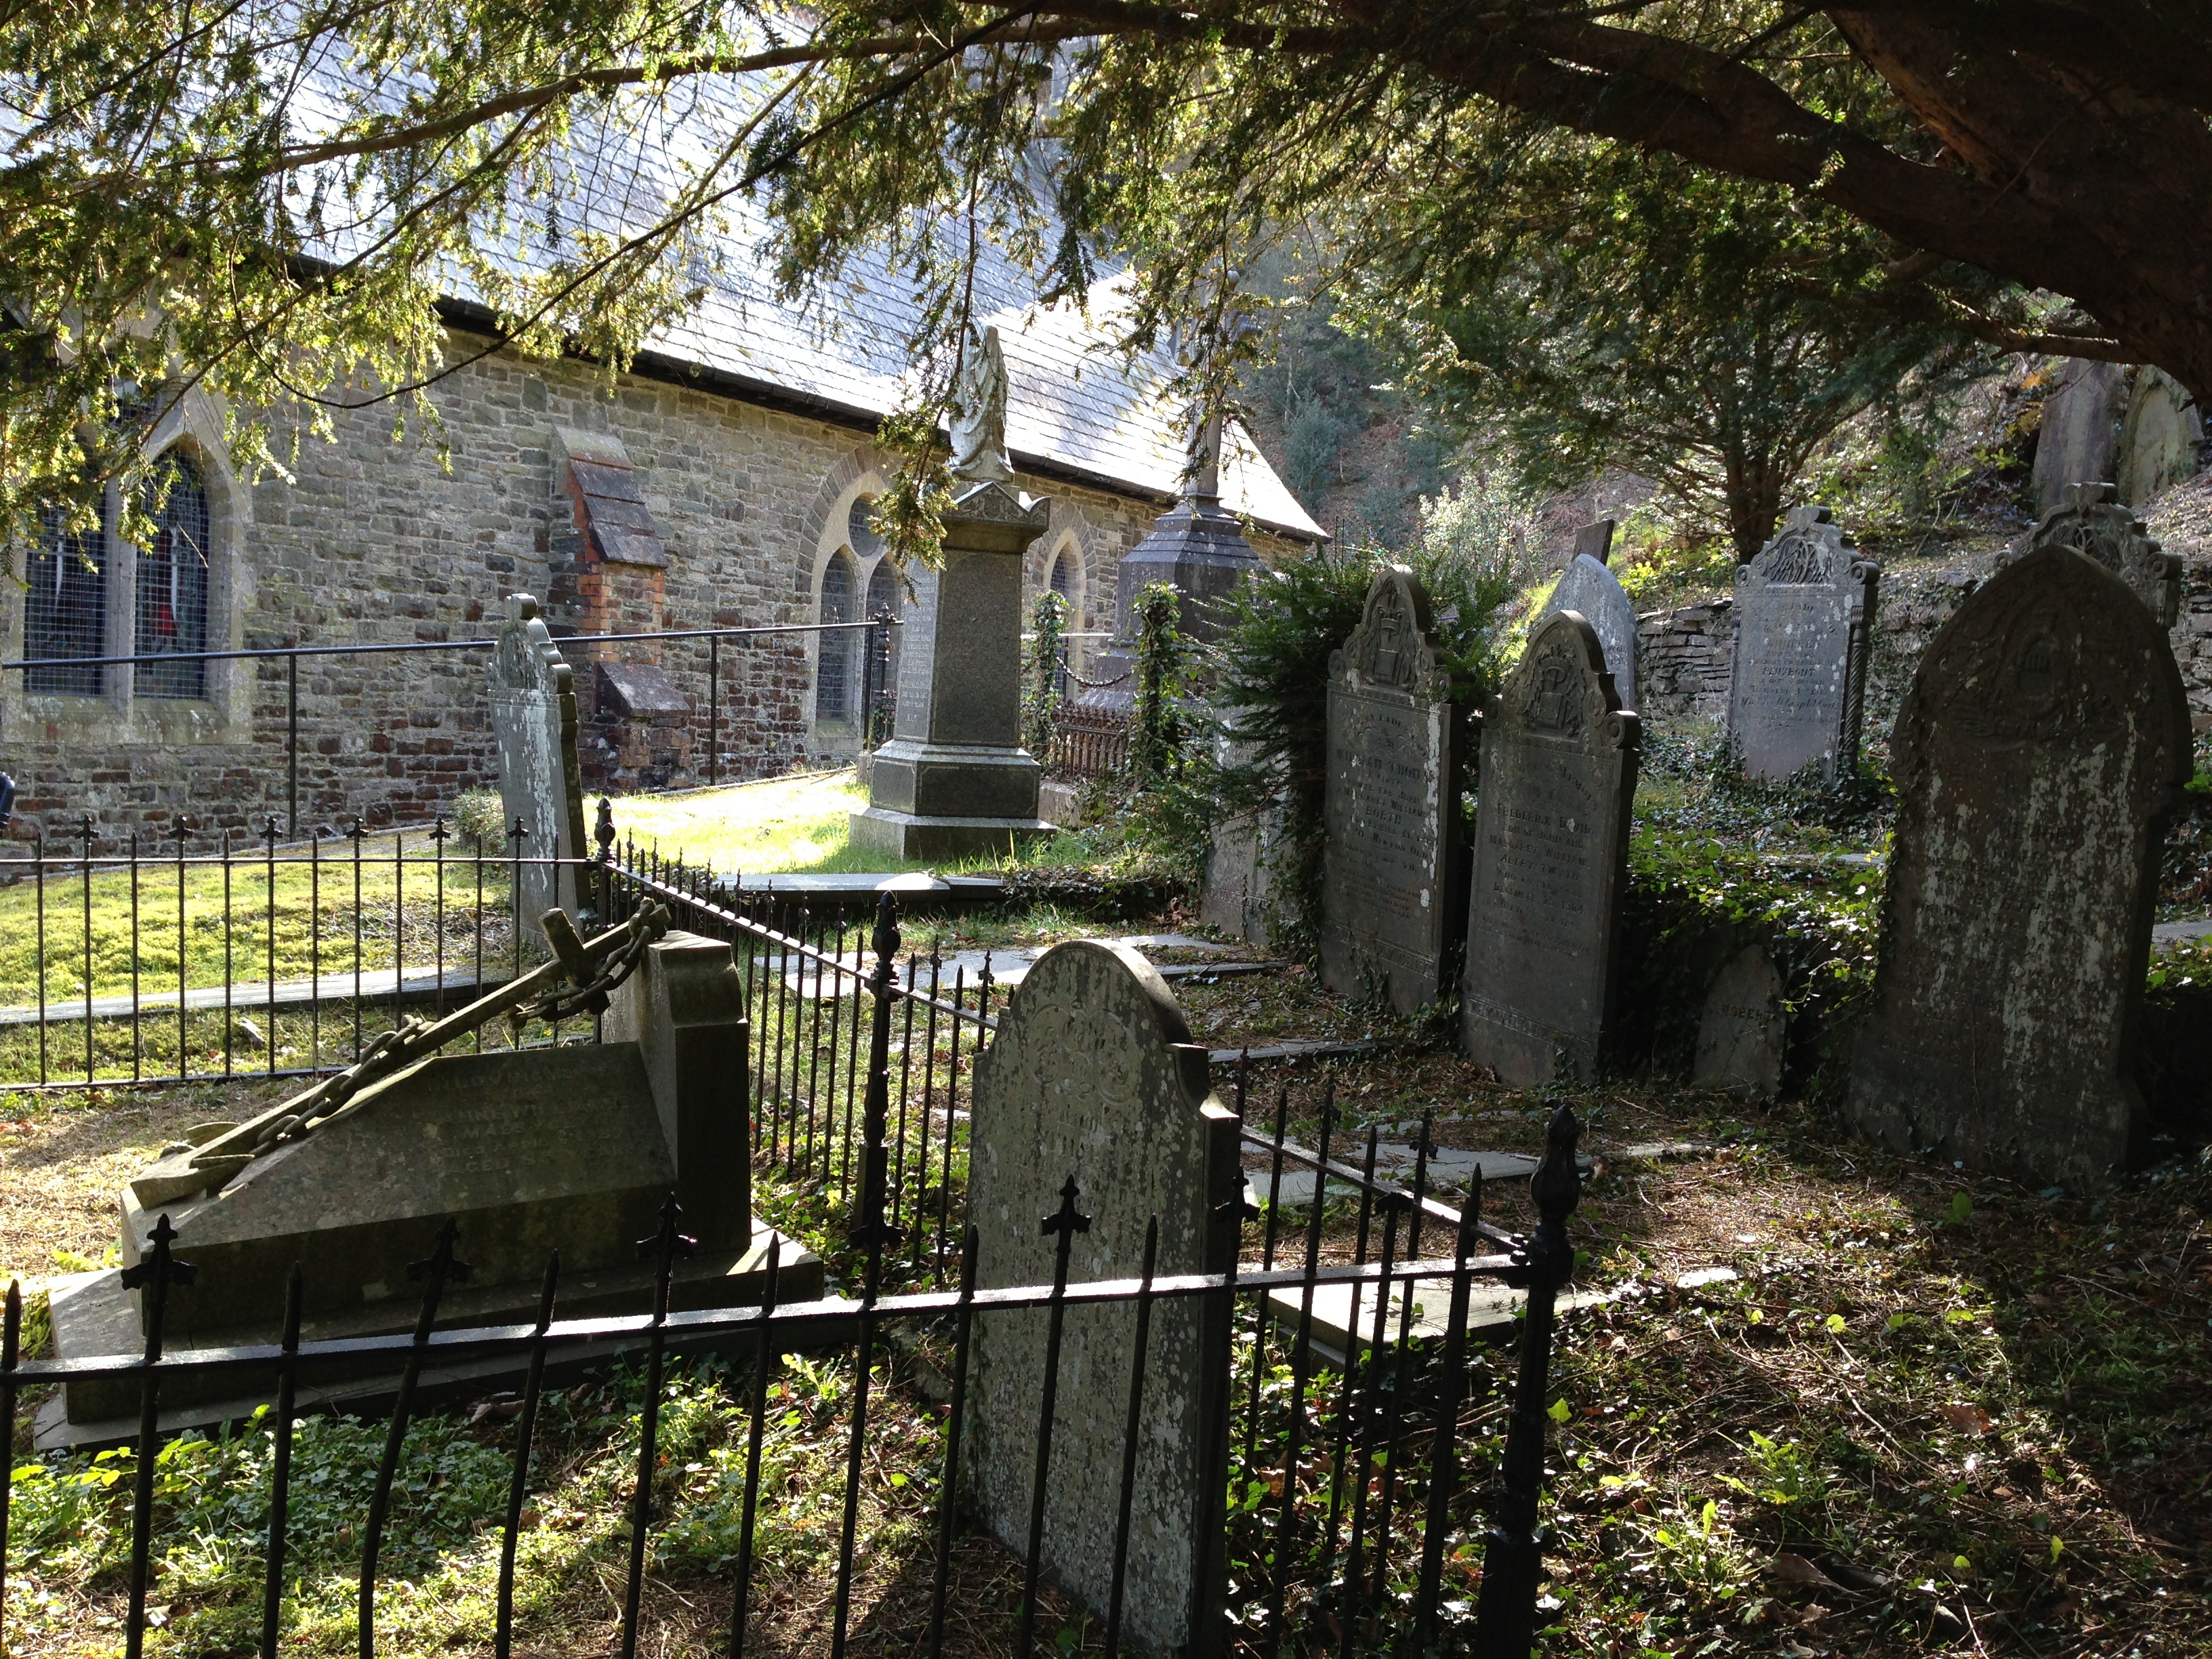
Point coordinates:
[(314, 915), (1937, 1390), (797, 825), (1969, 1410)]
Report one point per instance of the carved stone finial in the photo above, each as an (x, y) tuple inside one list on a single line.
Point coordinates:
[(979, 413)]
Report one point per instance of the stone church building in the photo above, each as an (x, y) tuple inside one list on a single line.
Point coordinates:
[(723, 482)]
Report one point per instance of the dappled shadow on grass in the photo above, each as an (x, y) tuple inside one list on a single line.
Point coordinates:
[(1942, 1403)]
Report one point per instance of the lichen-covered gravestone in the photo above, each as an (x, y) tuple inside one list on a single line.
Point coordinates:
[(1092, 1073), (533, 720), (2092, 522), (1388, 870), (1588, 587), (1740, 1030), (2038, 756), (1804, 609), (1558, 777)]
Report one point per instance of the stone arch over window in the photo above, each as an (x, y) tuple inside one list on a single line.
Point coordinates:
[(103, 597), (846, 554)]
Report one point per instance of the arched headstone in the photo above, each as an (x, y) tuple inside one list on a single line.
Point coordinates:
[(1557, 779), (1592, 591), (1092, 1074), (1387, 868), (1804, 610), (2038, 754)]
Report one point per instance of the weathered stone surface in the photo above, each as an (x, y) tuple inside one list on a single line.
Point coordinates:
[(1804, 615), (1237, 894), (1740, 1032), (1595, 593), (2038, 756), (2079, 438), (685, 1010), (1389, 869), (533, 708), (1558, 781), (1092, 1073), (575, 1147), (955, 779), (2160, 437), (2091, 522), (1594, 540)]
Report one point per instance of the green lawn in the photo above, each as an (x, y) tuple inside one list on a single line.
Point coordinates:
[(320, 909), (793, 826)]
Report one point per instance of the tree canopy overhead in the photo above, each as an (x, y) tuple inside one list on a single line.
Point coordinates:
[(293, 187)]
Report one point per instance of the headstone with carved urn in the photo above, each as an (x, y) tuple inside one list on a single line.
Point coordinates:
[(2038, 755), (1804, 612), (2091, 520), (1092, 1075), (1388, 804), (534, 722), (1558, 781)]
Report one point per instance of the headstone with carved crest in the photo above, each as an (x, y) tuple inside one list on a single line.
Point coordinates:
[(2091, 520), (1389, 803), (1804, 610), (2038, 755), (1557, 782)]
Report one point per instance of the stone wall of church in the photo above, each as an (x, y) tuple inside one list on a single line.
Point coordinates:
[(385, 541)]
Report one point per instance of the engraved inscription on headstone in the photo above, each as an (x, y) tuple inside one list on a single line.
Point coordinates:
[(1558, 779), (1804, 612), (1092, 1073), (1594, 592), (2092, 522), (1739, 1035), (2041, 751), (1387, 868)]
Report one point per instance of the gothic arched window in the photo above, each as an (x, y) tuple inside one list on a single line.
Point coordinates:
[(833, 669), (173, 582)]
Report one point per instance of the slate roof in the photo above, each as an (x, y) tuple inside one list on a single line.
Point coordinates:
[(1073, 409)]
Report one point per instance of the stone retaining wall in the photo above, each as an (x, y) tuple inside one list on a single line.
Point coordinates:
[(1686, 655)]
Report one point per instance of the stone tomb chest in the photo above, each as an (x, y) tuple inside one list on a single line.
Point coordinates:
[(1389, 868), (576, 1148), (1558, 781), (2038, 755), (1804, 607)]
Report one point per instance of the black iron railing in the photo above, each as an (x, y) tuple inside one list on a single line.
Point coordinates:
[(1369, 1464), (878, 646)]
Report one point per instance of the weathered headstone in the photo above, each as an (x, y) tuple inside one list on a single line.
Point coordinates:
[(2159, 438), (1092, 1073), (1558, 781), (1390, 860), (1804, 613), (1740, 1032), (2038, 756), (1594, 540), (2091, 522), (2078, 441), (1593, 591), (954, 780), (533, 717)]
